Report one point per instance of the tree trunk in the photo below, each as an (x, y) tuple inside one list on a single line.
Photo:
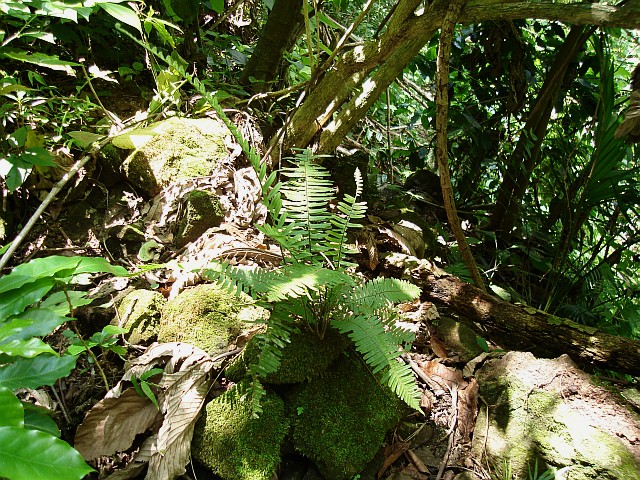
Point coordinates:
[(525, 328), (347, 90), (282, 28)]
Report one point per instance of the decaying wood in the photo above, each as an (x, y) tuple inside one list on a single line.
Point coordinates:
[(519, 327)]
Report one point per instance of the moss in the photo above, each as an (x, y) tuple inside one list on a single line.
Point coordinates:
[(205, 316), (140, 311), (202, 210), (304, 357), (235, 445), (182, 148), (341, 417)]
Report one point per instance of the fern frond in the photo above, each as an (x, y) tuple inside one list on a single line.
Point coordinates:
[(300, 279), (351, 209), (254, 282), (271, 343), (381, 292), (380, 353), (306, 193)]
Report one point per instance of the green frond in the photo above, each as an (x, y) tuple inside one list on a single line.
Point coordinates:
[(271, 342), (380, 353), (351, 209), (254, 282), (307, 193), (380, 292), (300, 279)]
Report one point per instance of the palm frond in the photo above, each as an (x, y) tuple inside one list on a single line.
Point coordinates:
[(380, 353)]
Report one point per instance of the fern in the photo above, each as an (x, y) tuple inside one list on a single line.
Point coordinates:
[(372, 340), (314, 240)]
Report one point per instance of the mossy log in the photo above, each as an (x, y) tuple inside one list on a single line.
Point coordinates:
[(525, 328)]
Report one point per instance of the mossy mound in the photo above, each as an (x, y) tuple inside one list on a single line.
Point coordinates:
[(202, 210), (303, 358), (179, 149), (234, 444), (140, 312), (341, 417), (205, 316)]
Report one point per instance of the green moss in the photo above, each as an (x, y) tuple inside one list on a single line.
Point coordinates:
[(205, 316), (202, 210), (341, 417), (235, 445), (182, 148), (304, 357), (140, 313)]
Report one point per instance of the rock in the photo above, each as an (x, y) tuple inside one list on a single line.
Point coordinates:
[(340, 418), (458, 337), (231, 442), (139, 312), (202, 210), (179, 149), (205, 316), (303, 357), (548, 411)]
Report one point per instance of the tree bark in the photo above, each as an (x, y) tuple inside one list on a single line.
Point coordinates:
[(348, 89), (281, 30), (526, 328)]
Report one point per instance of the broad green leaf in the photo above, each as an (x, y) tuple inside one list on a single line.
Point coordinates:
[(25, 348), (86, 139), (16, 301), (99, 265), (36, 372), (217, 6), (14, 88), (40, 59), (58, 302), (38, 156), (11, 410), (14, 281), (13, 328), (44, 267), (18, 173), (34, 455), (122, 13), (38, 418), (37, 322)]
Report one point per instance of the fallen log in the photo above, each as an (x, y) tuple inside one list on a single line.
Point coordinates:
[(518, 327)]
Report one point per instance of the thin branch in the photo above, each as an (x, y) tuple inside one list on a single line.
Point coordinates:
[(442, 110)]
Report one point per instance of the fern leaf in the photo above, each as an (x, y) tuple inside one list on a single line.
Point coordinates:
[(302, 279), (373, 343), (381, 292), (255, 283)]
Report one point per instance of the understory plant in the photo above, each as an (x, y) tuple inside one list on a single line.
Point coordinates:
[(315, 287), (30, 447)]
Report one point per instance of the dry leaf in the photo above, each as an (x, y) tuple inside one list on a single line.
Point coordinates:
[(443, 374), (467, 409), (422, 468), (181, 393), (438, 347), (392, 453), (113, 423)]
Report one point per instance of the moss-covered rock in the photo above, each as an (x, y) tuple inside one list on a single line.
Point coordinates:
[(304, 357), (139, 311), (205, 316), (458, 337), (235, 445), (341, 417), (180, 149), (202, 210)]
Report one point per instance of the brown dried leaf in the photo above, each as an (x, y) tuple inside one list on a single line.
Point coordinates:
[(422, 468), (181, 394), (467, 409), (392, 453), (443, 374), (438, 347), (113, 423)]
